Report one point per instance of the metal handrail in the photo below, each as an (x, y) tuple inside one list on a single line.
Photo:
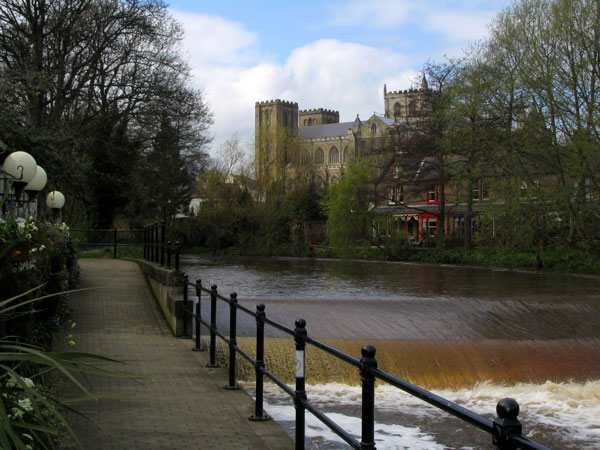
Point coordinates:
[(506, 430)]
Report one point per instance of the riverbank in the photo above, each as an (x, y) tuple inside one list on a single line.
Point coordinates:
[(557, 260)]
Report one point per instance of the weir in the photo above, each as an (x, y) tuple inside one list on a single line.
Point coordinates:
[(437, 365)]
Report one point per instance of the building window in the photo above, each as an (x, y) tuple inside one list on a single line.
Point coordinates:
[(400, 194), (374, 129), (391, 195), (397, 110), (333, 179), (396, 171), (345, 155), (309, 122), (432, 194), (476, 192), (319, 156), (430, 226), (334, 156)]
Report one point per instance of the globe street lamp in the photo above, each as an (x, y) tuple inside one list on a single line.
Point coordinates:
[(21, 174), (55, 200)]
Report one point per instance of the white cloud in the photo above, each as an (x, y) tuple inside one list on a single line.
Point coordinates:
[(465, 21), (213, 39)]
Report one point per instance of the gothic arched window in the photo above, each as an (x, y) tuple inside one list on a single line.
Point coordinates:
[(319, 156), (374, 129), (397, 110), (345, 154), (334, 156)]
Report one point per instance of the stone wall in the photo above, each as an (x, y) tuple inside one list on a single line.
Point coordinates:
[(167, 286)]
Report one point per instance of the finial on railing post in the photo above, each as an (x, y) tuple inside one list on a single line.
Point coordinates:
[(177, 248), (368, 362), (300, 335), (232, 340), (185, 306), (198, 315), (213, 327), (259, 414), (506, 424), (163, 225)]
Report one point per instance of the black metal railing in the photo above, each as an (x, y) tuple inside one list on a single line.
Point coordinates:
[(153, 239), (158, 249), (506, 430), (112, 237)]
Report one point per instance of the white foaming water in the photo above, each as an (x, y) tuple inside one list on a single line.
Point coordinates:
[(569, 412), (386, 435)]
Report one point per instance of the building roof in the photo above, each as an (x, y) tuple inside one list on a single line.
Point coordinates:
[(325, 131), (387, 120)]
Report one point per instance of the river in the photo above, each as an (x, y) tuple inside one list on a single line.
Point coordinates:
[(469, 334)]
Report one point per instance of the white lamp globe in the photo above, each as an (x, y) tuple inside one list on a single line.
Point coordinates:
[(55, 200), (38, 182), (20, 166)]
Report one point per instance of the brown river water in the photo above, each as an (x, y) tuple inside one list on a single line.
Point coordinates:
[(472, 335)]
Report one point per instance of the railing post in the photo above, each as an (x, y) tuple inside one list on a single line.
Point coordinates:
[(198, 315), (368, 362), (259, 414), (213, 327), (156, 256), (185, 306), (506, 423), (177, 248), (300, 339), (144, 242), (115, 244), (162, 242), (150, 243), (168, 254), (232, 340)]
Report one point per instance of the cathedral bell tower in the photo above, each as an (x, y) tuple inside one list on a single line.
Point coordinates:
[(275, 121)]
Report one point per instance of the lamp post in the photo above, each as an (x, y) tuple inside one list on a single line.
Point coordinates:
[(21, 173), (55, 200)]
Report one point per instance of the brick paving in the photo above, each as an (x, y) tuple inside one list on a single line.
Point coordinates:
[(177, 403)]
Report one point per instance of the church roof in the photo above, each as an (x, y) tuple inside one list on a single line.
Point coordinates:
[(325, 131)]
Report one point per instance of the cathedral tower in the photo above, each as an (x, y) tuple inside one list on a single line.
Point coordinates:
[(275, 122), (406, 106)]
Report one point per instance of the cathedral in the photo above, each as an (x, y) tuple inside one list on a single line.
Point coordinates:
[(315, 143)]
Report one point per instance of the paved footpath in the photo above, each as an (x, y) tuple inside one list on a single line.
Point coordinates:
[(178, 403)]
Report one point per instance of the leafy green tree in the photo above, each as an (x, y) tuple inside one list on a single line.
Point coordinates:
[(348, 209)]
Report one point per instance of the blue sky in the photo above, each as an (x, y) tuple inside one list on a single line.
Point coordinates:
[(333, 54)]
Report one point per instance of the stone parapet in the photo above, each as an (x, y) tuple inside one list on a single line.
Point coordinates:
[(167, 286)]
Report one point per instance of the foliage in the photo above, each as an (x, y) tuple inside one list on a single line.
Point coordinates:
[(348, 209), (92, 88), (36, 254), (230, 219)]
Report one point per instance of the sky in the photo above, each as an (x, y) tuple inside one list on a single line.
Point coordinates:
[(334, 54)]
